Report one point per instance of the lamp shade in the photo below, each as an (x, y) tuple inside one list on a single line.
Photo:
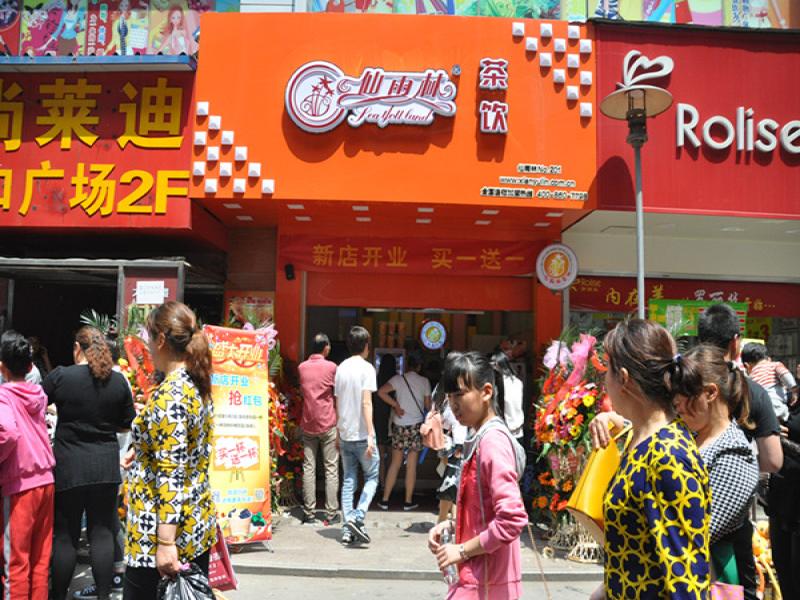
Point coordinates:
[(656, 101)]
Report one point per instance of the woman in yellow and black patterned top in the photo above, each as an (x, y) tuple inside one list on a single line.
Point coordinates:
[(171, 517), (657, 505)]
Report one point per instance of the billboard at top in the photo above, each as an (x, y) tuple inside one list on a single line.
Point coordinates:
[(331, 107), (729, 144)]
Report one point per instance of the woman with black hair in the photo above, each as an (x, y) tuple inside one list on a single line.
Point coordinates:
[(94, 403), (382, 413), (510, 395)]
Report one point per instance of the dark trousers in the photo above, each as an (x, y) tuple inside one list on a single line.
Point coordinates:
[(142, 583), (784, 537), (742, 540), (100, 504)]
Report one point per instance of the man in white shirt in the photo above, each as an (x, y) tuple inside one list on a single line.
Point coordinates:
[(355, 382)]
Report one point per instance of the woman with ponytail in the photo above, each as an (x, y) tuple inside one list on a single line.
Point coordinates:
[(171, 518), (94, 403), (656, 509), (722, 392)]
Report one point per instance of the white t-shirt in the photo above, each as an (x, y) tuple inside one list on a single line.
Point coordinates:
[(353, 376), (422, 389), (515, 416), (449, 423)]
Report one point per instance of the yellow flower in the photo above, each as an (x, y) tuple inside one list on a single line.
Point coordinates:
[(567, 487), (575, 430), (571, 413), (589, 400)]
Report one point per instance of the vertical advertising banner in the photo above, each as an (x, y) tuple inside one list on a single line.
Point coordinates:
[(240, 465)]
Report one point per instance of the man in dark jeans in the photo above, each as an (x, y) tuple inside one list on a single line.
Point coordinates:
[(719, 326)]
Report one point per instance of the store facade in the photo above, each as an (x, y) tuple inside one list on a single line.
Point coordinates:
[(406, 182), (720, 174)]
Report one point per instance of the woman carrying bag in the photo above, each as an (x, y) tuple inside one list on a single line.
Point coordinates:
[(413, 392)]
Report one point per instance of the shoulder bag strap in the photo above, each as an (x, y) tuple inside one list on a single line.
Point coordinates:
[(483, 521), (421, 408)]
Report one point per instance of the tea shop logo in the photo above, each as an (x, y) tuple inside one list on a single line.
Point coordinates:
[(319, 96)]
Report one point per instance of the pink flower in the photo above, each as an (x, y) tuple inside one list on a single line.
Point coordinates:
[(579, 357), (557, 354)]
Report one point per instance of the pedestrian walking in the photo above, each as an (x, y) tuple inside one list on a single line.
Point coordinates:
[(318, 424), (451, 457), (26, 475), (355, 382), (411, 403), (490, 514), (171, 517), (511, 399), (93, 404), (661, 484), (772, 375), (719, 326), (382, 414), (726, 453)]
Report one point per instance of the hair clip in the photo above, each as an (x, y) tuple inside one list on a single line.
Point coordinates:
[(677, 359), (732, 366)]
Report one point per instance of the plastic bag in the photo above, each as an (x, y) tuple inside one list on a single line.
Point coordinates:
[(189, 584)]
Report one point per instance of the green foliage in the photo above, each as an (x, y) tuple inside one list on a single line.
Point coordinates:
[(106, 324)]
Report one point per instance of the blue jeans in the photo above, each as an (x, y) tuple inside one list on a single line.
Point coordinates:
[(353, 455)]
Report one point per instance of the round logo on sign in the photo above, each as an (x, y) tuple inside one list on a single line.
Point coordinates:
[(312, 97), (557, 267), (433, 335)]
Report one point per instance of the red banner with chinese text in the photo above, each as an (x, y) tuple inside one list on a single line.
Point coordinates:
[(618, 294), (406, 256), (95, 150)]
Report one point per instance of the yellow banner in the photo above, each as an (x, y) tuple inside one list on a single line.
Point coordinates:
[(240, 465)]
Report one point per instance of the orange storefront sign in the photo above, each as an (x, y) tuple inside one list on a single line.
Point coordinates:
[(385, 109)]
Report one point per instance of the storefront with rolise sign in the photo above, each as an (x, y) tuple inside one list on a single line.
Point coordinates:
[(720, 172)]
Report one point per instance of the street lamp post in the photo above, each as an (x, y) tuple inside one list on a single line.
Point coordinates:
[(634, 103)]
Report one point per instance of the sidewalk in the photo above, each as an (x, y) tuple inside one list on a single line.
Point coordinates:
[(398, 551)]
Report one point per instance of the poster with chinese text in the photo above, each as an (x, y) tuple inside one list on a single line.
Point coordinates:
[(131, 24), (53, 27), (99, 26), (10, 26), (240, 464), (680, 317)]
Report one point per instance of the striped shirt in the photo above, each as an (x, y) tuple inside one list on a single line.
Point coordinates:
[(769, 373)]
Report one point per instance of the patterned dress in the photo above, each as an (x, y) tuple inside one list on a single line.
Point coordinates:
[(657, 520), (168, 481)]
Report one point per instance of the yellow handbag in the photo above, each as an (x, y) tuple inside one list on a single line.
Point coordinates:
[(586, 502)]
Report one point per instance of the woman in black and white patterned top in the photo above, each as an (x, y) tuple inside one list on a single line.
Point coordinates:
[(728, 456)]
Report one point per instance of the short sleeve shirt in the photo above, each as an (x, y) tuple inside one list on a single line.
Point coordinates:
[(411, 398), (90, 412), (317, 377), (354, 376), (657, 521), (761, 413)]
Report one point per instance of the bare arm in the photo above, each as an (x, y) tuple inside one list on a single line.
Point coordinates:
[(427, 401), (366, 408), (383, 394), (770, 454)]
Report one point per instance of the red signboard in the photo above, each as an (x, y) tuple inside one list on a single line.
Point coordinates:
[(618, 294), (407, 256), (730, 143), (95, 150)]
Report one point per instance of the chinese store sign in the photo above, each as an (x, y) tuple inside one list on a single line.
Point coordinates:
[(618, 294), (319, 96), (94, 150), (367, 255)]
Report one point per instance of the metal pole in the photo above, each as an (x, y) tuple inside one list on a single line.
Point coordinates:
[(565, 309), (637, 151)]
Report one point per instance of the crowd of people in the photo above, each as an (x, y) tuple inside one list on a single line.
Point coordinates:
[(678, 512), (48, 488)]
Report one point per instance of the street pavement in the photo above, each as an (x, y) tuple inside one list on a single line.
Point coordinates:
[(265, 587), (398, 551)]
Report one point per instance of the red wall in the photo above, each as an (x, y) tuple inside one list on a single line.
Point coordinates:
[(716, 72)]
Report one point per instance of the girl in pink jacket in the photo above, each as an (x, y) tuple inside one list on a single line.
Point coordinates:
[(490, 513), (26, 476)]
